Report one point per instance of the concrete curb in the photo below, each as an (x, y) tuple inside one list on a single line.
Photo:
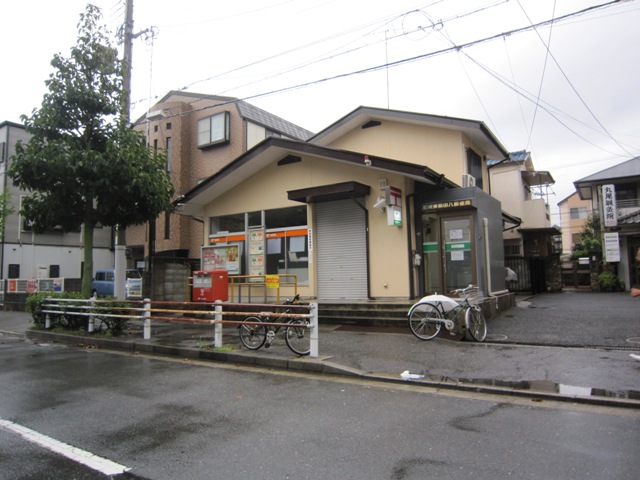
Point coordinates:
[(317, 366)]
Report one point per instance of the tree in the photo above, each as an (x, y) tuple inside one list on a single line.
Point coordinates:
[(83, 165), (590, 243)]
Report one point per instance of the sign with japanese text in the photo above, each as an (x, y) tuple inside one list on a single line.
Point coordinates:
[(611, 247), (609, 205), (430, 207)]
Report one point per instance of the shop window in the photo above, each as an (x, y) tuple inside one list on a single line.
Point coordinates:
[(287, 253), (286, 240), (227, 223)]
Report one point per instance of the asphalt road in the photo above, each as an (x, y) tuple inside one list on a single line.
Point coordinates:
[(174, 419)]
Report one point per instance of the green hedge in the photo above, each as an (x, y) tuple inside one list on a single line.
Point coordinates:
[(75, 322)]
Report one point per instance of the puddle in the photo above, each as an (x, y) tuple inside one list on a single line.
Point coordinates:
[(538, 386)]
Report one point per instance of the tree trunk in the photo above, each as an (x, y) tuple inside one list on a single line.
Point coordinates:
[(87, 269)]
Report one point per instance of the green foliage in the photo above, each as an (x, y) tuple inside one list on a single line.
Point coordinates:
[(5, 210), (71, 320), (609, 281), (83, 165), (590, 243), (35, 306)]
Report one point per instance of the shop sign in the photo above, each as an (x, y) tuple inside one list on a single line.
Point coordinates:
[(609, 205), (272, 281), (431, 207), (611, 247)]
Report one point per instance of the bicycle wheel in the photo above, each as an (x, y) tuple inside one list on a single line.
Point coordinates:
[(297, 336), (476, 324), (424, 321), (252, 336)]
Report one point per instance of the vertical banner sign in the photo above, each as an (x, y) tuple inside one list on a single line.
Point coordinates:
[(609, 205), (611, 247), (256, 251)]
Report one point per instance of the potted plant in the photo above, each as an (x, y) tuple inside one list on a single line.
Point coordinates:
[(609, 281)]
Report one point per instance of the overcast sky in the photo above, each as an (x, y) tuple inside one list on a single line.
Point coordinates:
[(567, 91)]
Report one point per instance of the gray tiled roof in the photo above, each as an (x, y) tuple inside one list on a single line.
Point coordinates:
[(630, 168), (273, 122)]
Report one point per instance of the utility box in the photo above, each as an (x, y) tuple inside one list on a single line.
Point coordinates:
[(210, 285)]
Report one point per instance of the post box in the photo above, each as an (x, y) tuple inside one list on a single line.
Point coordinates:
[(210, 285)]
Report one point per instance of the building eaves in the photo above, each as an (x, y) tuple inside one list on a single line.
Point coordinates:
[(625, 170), (477, 131), (274, 149)]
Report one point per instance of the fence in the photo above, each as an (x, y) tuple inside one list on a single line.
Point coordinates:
[(180, 312)]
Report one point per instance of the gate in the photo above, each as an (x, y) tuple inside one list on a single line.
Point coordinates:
[(520, 265)]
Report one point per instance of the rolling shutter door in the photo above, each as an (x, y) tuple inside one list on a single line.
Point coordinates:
[(342, 250)]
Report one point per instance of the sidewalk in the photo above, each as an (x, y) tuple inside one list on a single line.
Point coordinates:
[(596, 331)]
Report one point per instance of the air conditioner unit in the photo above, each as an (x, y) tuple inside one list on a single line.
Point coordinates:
[(468, 181)]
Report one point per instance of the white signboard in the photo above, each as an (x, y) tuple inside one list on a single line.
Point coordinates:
[(611, 247), (609, 205)]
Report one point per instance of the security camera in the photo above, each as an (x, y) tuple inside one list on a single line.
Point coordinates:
[(367, 161), (380, 203)]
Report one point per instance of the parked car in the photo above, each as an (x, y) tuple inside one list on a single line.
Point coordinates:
[(104, 283)]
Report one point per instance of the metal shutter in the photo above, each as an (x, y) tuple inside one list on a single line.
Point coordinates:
[(342, 250)]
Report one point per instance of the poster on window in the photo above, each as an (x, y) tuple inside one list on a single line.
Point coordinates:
[(256, 251), (222, 257)]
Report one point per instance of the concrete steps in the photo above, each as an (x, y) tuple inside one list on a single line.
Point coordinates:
[(364, 314)]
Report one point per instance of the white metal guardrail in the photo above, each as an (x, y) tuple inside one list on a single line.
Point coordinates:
[(149, 311)]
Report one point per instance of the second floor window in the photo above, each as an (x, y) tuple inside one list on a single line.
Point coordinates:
[(213, 130), (579, 212)]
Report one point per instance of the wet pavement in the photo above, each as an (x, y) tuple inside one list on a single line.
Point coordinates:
[(573, 345)]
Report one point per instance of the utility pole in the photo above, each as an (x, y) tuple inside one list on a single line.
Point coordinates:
[(120, 260)]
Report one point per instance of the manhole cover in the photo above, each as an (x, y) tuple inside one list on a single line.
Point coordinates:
[(496, 337), (633, 340)]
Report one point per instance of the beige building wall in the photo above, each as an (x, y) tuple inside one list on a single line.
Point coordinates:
[(571, 227), (440, 149), (387, 244)]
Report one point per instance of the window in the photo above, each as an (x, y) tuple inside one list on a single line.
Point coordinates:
[(286, 238), (167, 225), (579, 212), (512, 249), (213, 130), (54, 271), (168, 153), (14, 270), (626, 191), (474, 166)]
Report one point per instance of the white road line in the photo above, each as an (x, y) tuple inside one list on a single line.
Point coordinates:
[(76, 454)]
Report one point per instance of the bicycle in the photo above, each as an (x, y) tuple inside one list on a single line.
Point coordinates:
[(296, 333), (427, 317)]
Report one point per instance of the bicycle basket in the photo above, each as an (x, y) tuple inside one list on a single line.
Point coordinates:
[(474, 296)]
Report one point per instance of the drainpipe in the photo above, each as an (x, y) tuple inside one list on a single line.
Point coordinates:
[(407, 202), (488, 261)]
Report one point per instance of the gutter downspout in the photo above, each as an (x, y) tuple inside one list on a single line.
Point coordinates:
[(412, 266), (488, 262)]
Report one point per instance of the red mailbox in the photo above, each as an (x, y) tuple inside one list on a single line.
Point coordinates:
[(209, 286)]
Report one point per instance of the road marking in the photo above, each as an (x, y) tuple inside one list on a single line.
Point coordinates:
[(76, 454)]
